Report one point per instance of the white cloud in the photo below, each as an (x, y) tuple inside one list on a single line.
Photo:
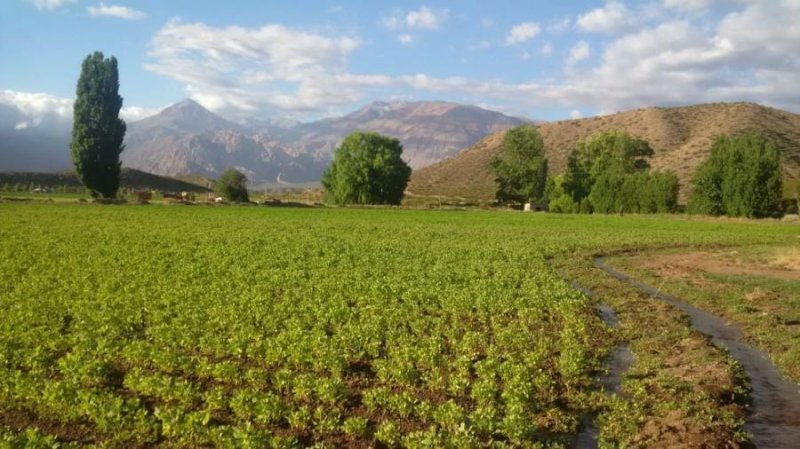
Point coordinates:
[(523, 32), (249, 68), (611, 18), (52, 5), (423, 18), (121, 12), (35, 104), (405, 39), (134, 113), (37, 108), (558, 25), (578, 52), (687, 5), (575, 114), (546, 49), (304, 74)]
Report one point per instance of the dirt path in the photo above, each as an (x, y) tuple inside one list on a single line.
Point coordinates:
[(774, 419)]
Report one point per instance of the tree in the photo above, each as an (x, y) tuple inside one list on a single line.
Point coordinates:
[(521, 167), (662, 192), (232, 186), (605, 193), (608, 173), (97, 130), (367, 168), (557, 200), (740, 177), (609, 154)]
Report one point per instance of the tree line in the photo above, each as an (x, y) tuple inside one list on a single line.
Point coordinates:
[(609, 172)]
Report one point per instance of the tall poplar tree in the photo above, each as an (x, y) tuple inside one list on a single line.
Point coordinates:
[(97, 130), (740, 177)]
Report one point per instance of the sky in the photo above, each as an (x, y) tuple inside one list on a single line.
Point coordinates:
[(305, 60)]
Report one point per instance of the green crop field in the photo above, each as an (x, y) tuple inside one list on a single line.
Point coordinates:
[(155, 326)]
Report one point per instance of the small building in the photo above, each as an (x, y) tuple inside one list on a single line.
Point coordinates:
[(534, 207)]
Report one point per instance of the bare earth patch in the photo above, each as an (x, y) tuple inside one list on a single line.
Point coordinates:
[(681, 265), (788, 259), (674, 430)]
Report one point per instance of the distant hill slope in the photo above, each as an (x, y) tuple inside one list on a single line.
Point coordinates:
[(130, 178), (430, 131), (680, 138)]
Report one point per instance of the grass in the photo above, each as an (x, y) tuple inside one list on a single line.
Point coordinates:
[(766, 308), (132, 326), (678, 379)]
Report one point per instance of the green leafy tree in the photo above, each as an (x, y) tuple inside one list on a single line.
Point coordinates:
[(608, 173), (604, 154), (97, 130), (232, 186), (557, 199), (605, 191), (740, 177), (662, 192), (367, 169), (521, 167)]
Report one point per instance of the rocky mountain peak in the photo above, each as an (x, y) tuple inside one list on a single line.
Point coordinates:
[(187, 116)]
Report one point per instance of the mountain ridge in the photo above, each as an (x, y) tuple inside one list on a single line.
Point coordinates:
[(188, 139)]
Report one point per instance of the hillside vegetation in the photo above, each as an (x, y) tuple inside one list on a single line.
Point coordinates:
[(680, 137), (130, 178)]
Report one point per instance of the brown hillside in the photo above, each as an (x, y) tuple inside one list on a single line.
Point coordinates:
[(680, 138)]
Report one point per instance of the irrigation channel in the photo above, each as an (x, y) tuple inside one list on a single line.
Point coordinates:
[(620, 359), (774, 415)]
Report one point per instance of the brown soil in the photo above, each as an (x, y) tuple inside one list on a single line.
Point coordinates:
[(685, 265), (713, 376), (675, 430), (20, 420)]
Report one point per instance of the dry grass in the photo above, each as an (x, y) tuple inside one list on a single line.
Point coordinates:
[(788, 258), (680, 138)]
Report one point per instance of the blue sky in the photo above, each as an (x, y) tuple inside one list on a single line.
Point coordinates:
[(305, 60)]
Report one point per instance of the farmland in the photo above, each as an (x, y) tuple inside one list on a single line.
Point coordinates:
[(145, 326)]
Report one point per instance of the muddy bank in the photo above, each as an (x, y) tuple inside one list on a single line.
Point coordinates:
[(774, 414)]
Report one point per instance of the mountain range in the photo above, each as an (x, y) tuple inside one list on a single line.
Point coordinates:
[(680, 137), (187, 139)]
